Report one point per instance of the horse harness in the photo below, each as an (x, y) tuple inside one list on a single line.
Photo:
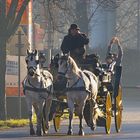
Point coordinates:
[(31, 87), (82, 88)]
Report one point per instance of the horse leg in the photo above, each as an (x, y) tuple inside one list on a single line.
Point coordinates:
[(71, 110), (80, 114), (93, 106), (36, 109), (81, 132), (47, 111), (39, 119), (29, 105)]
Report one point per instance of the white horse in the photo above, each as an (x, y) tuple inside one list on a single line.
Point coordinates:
[(81, 86), (38, 89)]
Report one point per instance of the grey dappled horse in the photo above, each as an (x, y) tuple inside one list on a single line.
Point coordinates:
[(81, 86), (38, 89)]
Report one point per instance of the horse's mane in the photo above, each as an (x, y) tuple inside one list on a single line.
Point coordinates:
[(75, 67)]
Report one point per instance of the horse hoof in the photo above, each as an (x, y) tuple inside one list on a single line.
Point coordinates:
[(47, 127), (81, 133), (70, 132), (38, 133), (32, 132), (93, 127), (45, 131)]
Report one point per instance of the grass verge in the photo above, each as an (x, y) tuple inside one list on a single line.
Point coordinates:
[(12, 123), (15, 123)]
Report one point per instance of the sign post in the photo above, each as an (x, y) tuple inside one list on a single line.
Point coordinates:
[(19, 45)]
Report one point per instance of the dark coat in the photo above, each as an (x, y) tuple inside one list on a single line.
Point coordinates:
[(73, 43)]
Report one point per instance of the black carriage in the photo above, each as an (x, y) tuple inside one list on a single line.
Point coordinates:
[(109, 95)]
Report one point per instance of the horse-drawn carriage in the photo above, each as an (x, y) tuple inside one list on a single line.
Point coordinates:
[(109, 96), (76, 90)]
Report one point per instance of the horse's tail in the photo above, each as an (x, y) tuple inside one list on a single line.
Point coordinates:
[(98, 113)]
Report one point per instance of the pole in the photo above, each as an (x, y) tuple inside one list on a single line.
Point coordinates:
[(19, 95), (49, 35), (19, 46), (3, 104)]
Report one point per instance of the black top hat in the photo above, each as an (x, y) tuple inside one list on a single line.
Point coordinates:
[(74, 26)]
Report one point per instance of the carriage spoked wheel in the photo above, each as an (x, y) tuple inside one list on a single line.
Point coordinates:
[(108, 113), (118, 108), (56, 122)]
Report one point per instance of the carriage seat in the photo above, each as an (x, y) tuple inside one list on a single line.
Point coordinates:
[(91, 62)]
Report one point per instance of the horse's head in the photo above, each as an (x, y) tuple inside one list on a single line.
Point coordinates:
[(54, 61), (66, 66), (32, 62), (63, 65)]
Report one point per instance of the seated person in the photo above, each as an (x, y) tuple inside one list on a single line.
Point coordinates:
[(110, 63), (42, 59), (74, 43), (112, 59)]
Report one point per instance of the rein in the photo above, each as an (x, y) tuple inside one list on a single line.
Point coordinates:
[(61, 73)]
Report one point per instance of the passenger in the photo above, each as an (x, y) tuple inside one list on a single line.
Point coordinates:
[(42, 59), (113, 59), (74, 43)]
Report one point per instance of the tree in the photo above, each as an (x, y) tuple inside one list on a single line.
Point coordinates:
[(9, 21), (64, 12), (128, 23), (59, 14)]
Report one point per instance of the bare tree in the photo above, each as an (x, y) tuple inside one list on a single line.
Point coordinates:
[(110, 4), (8, 25), (128, 23), (61, 13)]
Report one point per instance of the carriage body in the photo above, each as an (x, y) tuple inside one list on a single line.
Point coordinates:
[(109, 101), (109, 97)]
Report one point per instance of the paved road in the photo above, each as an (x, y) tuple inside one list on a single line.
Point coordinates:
[(130, 128)]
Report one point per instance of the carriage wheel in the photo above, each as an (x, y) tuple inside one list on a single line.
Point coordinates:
[(118, 107), (56, 123), (108, 113)]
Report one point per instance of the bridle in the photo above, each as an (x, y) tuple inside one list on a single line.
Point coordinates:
[(65, 72), (32, 68)]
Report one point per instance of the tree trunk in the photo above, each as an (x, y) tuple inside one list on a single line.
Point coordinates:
[(3, 110), (7, 28)]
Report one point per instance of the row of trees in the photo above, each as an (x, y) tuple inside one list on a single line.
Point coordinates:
[(59, 14), (63, 12)]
